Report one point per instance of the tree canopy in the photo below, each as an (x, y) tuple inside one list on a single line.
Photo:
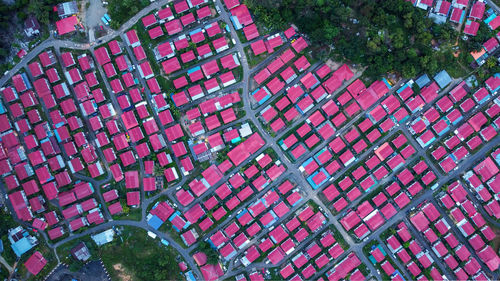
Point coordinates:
[(385, 35)]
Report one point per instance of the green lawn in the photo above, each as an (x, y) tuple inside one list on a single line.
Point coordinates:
[(132, 253), (140, 257)]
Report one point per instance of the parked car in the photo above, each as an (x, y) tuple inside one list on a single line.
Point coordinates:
[(105, 21)]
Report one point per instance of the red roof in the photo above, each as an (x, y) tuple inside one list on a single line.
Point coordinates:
[(173, 27), (67, 25), (477, 10), (299, 44), (251, 32), (258, 47), (171, 65), (35, 263), (149, 20), (242, 14)]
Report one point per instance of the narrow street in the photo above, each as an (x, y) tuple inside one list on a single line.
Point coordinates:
[(292, 172)]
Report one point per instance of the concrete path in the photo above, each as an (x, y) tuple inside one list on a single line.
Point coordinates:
[(5, 264)]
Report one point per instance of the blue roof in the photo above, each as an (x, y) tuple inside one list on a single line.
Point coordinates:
[(265, 98), (275, 218), (490, 18), (155, 222), (189, 276), (442, 79), (21, 246), (423, 80), (236, 23), (311, 182), (402, 88), (193, 70), (195, 31)]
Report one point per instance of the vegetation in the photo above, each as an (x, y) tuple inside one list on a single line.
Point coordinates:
[(121, 11), (146, 259), (212, 256), (389, 36), (7, 223), (12, 18)]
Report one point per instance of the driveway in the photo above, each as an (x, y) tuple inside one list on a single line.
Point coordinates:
[(93, 17)]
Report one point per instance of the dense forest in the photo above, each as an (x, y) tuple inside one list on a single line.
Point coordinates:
[(388, 36), (12, 19), (122, 10)]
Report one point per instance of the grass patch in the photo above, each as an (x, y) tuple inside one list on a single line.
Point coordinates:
[(137, 255)]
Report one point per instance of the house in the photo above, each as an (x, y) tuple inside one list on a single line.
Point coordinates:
[(67, 9), (471, 27), (477, 10), (103, 237), (20, 204), (241, 16), (424, 4), (31, 26), (35, 263), (457, 15), (149, 20), (67, 25), (21, 241), (443, 78), (80, 252), (131, 38)]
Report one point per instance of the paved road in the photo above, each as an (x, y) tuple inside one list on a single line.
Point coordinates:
[(51, 42), (292, 168)]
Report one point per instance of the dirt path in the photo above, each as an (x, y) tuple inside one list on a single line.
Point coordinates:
[(4, 262), (121, 272)]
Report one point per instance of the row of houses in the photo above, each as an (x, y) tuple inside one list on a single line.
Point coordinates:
[(464, 249), (459, 12), (53, 139)]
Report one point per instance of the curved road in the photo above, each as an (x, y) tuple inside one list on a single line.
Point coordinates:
[(57, 44), (270, 142)]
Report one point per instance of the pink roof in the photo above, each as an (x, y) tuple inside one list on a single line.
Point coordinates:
[(173, 27), (477, 10), (203, 12), (67, 25), (171, 65), (102, 55), (258, 47), (471, 28), (165, 13), (299, 44), (133, 198), (187, 19), (155, 32), (290, 32), (35, 263), (242, 13), (149, 20)]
